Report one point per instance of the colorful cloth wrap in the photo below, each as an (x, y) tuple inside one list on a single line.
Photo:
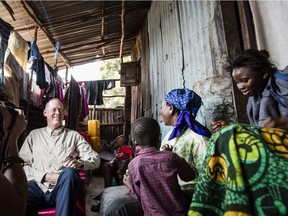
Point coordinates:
[(188, 102), (244, 173)]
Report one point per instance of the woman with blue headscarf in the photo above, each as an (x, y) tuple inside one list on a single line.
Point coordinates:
[(188, 138)]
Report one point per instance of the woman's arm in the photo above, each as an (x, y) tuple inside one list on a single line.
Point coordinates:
[(279, 122)]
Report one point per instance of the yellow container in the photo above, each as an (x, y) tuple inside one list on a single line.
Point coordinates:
[(94, 128), (95, 143)]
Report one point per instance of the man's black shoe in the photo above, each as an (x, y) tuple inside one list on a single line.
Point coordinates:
[(95, 208)]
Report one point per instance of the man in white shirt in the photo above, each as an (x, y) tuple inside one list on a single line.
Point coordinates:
[(53, 156)]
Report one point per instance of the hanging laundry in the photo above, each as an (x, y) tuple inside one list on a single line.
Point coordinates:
[(38, 66), (72, 103), (15, 63), (84, 107), (34, 51), (5, 29), (55, 84), (57, 49), (95, 90)]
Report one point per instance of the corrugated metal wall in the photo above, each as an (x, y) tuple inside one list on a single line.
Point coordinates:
[(187, 49)]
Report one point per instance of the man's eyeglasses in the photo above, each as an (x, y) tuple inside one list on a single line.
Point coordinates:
[(54, 110)]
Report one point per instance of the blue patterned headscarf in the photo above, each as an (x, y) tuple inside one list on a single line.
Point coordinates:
[(188, 102)]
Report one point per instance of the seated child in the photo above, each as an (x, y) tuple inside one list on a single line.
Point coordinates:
[(152, 175), (123, 155)]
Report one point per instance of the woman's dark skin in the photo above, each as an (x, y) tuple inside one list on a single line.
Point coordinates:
[(249, 83), (251, 72)]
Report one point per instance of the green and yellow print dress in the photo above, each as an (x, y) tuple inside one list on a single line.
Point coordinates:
[(192, 147), (245, 173)]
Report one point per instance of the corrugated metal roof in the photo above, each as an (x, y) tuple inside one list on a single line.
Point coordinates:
[(77, 26)]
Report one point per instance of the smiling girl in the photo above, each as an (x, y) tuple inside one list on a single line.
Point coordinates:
[(267, 87)]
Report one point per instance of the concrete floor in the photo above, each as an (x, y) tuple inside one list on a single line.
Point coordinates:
[(96, 186)]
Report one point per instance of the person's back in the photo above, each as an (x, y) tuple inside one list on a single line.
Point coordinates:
[(153, 173), (156, 173)]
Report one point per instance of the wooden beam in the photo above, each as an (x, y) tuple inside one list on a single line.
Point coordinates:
[(96, 16), (102, 24), (112, 96), (34, 17), (104, 43), (122, 27), (9, 9)]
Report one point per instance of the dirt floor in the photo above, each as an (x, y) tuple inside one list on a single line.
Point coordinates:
[(95, 187), (96, 184)]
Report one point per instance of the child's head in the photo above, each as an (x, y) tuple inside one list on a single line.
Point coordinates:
[(121, 140), (145, 132)]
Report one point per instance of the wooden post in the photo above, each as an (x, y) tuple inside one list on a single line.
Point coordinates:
[(123, 27), (66, 78), (94, 112), (127, 111)]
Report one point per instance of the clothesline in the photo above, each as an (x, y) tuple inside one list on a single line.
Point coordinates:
[(81, 82)]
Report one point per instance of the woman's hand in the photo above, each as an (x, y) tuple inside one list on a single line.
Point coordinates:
[(218, 125), (167, 147), (279, 122)]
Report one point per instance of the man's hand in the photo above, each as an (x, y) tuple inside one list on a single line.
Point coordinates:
[(51, 178), (73, 162)]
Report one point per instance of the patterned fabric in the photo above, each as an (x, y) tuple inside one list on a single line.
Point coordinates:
[(184, 99), (153, 175), (245, 173), (192, 147), (188, 102)]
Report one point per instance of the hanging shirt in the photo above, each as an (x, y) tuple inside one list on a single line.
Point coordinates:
[(95, 90)]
